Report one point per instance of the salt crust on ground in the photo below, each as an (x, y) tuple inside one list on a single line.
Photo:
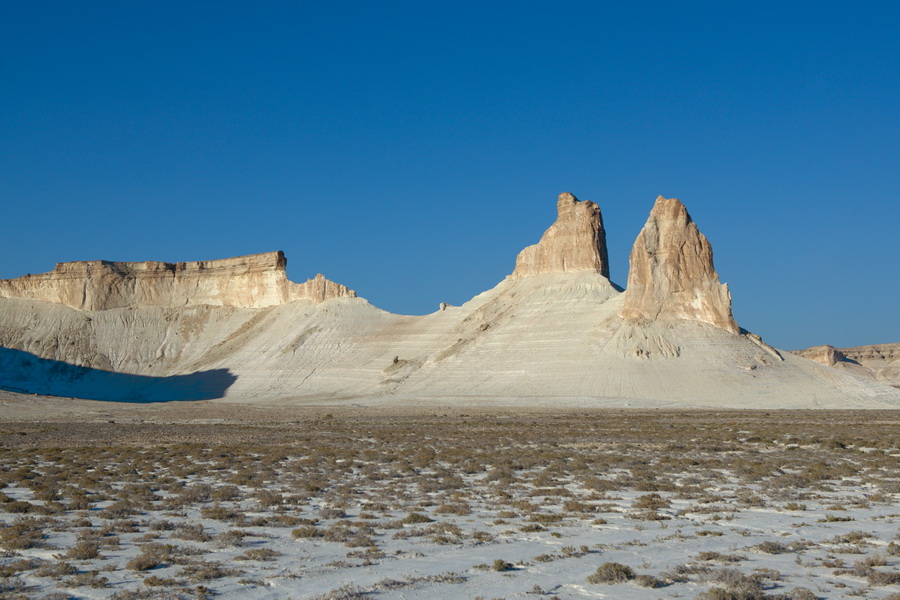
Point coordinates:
[(797, 499)]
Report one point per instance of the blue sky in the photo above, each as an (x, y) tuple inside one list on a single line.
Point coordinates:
[(409, 150)]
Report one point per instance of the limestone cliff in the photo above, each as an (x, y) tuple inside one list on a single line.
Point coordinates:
[(575, 242), (672, 275), (254, 281)]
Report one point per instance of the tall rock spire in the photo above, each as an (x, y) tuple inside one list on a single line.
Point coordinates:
[(575, 242), (672, 274)]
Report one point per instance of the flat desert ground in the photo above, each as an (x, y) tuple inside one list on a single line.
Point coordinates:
[(209, 499)]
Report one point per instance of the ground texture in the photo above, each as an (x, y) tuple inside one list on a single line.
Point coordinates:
[(198, 501)]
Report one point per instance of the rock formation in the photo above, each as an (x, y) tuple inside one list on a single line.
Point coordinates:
[(254, 281), (672, 275), (575, 242), (320, 289), (549, 334), (824, 355), (880, 362)]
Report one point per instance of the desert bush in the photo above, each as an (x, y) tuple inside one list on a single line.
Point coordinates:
[(830, 518), (733, 580), (145, 561), (226, 492), (546, 518), (23, 533), (268, 498), (207, 571), (156, 581), (718, 557), (91, 579), (502, 565), (456, 508), (651, 502), (259, 554), (649, 581), (191, 533), (20, 566), (230, 538), (162, 525), (881, 578), (119, 509), (55, 570), (217, 512), (611, 572), (307, 532), (718, 593), (84, 550), (482, 536), (332, 513), (18, 507), (414, 518), (771, 547)]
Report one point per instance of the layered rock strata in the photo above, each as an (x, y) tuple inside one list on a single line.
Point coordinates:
[(880, 362), (575, 242), (253, 281), (672, 276)]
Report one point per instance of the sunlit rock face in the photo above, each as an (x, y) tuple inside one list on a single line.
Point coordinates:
[(254, 281), (575, 242), (824, 355), (672, 275)]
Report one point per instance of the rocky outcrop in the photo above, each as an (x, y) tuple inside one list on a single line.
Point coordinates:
[(824, 355), (320, 289), (672, 275), (254, 281), (575, 242), (880, 362)]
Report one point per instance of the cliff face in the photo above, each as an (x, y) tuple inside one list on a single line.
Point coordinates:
[(254, 281), (672, 275), (575, 242)]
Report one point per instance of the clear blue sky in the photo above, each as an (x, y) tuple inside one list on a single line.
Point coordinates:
[(409, 150)]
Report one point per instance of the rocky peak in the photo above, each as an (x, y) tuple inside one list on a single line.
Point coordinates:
[(672, 274), (320, 289), (575, 242)]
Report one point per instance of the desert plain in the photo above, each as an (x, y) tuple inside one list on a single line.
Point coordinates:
[(215, 499)]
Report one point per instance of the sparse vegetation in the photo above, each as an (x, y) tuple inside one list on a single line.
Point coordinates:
[(364, 491)]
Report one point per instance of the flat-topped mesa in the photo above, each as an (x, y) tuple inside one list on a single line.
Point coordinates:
[(575, 242), (672, 275), (254, 281)]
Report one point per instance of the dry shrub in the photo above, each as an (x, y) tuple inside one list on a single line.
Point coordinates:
[(611, 572)]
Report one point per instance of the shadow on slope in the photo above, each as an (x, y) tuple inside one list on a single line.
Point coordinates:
[(28, 373)]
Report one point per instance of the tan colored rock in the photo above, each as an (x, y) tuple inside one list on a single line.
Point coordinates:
[(253, 281), (575, 242), (672, 275), (824, 355), (880, 362), (320, 289)]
